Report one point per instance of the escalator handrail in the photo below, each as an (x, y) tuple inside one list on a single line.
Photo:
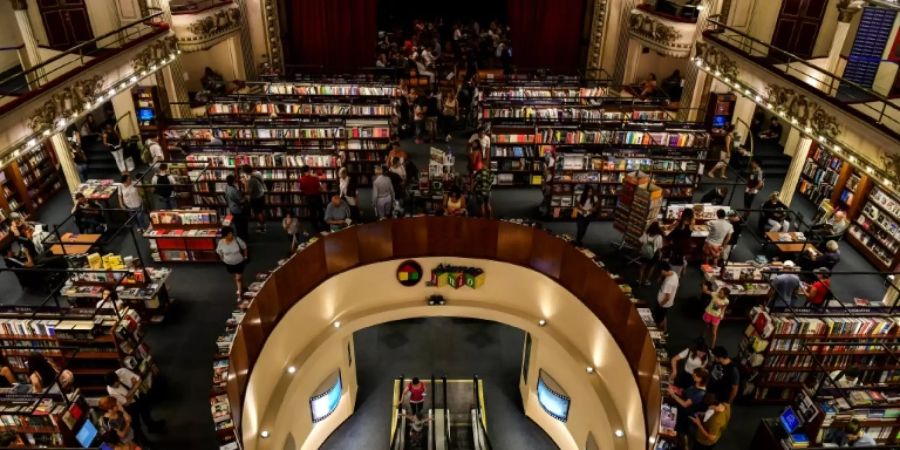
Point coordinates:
[(433, 432), (480, 414), (397, 413), (446, 413)]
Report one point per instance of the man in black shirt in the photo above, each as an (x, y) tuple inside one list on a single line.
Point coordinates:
[(724, 377)]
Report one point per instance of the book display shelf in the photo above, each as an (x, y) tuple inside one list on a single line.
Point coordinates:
[(30, 181), (185, 235), (141, 288), (281, 172), (44, 420), (638, 204), (311, 100), (147, 107), (821, 173), (876, 230), (747, 282), (781, 350), (105, 338)]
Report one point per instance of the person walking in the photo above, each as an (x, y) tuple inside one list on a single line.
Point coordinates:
[(234, 201), (416, 391), (112, 140), (710, 425), (349, 192), (754, 184), (715, 311), (724, 154), (382, 194), (233, 252), (311, 189), (130, 199), (584, 212), (162, 186), (666, 297), (650, 252), (255, 187), (482, 182)]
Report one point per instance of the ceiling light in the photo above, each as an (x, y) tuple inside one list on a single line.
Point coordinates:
[(870, 169), (542, 322), (32, 142), (852, 158), (748, 92), (46, 132), (264, 434), (133, 79), (725, 79), (291, 370), (111, 92), (836, 148), (652, 440), (619, 433), (337, 324), (757, 98), (718, 73), (590, 369)]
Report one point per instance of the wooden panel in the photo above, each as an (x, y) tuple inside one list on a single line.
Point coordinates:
[(233, 389), (634, 332), (410, 238), (301, 274), (514, 243), (341, 251), (598, 293), (375, 242), (253, 333), (546, 254), (482, 238), (576, 271), (269, 309), (239, 361), (445, 237)]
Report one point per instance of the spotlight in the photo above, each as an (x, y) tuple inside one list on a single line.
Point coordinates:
[(436, 300), (264, 434), (590, 369), (757, 98), (725, 79), (111, 92), (652, 440), (619, 433), (291, 370), (542, 323), (337, 324), (836, 148)]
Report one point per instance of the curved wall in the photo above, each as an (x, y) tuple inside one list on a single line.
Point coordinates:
[(590, 321)]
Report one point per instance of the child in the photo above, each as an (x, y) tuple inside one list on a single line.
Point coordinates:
[(715, 310), (291, 226)]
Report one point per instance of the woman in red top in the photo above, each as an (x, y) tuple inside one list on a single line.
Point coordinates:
[(816, 292), (416, 390)]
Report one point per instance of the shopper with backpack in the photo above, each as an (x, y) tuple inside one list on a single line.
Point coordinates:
[(255, 187), (163, 188), (651, 248)]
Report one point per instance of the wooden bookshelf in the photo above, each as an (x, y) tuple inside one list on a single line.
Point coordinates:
[(183, 235), (822, 171), (143, 289), (875, 231)]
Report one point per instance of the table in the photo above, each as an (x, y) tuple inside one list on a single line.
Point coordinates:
[(790, 242), (74, 244)]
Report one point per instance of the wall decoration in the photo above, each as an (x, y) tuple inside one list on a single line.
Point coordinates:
[(201, 31), (154, 52), (409, 273), (64, 103), (552, 398), (891, 163), (456, 276), (717, 60), (808, 113), (323, 404), (662, 35), (652, 28)]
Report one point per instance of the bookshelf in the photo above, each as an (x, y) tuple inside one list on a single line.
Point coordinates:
[(183, 235), (147, 108), (612, 111), (638, 204), (876, 230), (851, 191), (281, 172), (106, 340), (821, 173), (747, 282), (803, 344), (43, 420), (31, 180)]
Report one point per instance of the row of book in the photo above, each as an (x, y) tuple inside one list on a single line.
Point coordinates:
[(330, 90), (546, 93), (305, 109), (836, 326), (571, 114), (674, 139), (184, 217)]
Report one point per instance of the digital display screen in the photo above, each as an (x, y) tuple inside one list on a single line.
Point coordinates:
[(556, 404), (789, 420), (719, 121), (86, 434), (146, 114), (325, 403)]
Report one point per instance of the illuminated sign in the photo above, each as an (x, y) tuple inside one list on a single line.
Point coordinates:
[(553, 402), (456, 276), (324, 404)]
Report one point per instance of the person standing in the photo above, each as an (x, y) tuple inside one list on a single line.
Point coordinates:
[(112, 140), (483, 148), (419, 111), (291, 226), (416, 390), (666, 297), (311, 189), (78, 156), (680, 245), (710, 425), (724, 153), (785, 285), (433, 105), (449, 113), (584, 212), (232, 250), (255, 187), (155, 150), (162, 187), (737, 227), (130, 199), (715, 311), (724, 376), (116, 423), (396, 152), (124, 386), (88, 215), (697, 355), (348, 191), (650, 252), (382, 194), (719, 233), (337, 214), (483, 181), (234, 201), (754, 184)]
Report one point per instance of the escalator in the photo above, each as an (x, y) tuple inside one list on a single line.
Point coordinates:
[(466, 420)]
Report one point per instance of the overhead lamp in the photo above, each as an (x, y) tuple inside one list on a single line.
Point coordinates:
[(718, 73), (757, 99), (836, 148), (31, 142), (46, 132), (870, 169), (652, 440), (808, 130), (133, 79), (748, 92), (852, 158), (111, 92), (590, 369), (725, 79)]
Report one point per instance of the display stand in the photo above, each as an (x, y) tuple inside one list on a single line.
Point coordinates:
[(44, 420), (183, 235), (638, 205), (876, 231)]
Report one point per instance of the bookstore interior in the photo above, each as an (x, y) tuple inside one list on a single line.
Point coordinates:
[(689, 210)]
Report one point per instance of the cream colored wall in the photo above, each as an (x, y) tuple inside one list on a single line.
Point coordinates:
[(104, 17), (613, 25), (662, 66), (257, 30), (37, 25), (220, 57), (573, 339), (826, 30), (9, 37), (763, 18)]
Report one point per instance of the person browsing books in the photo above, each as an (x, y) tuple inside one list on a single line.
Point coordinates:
[(711, 424), (337, 214)]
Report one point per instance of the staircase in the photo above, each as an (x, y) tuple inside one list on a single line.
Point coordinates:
[(771, 158), (101, 164), (461, 431)]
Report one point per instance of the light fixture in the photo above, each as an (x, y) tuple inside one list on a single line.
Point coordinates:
[(291, 370), (725, 79), (264, 434), (768, 105), (590, 369), (889, 183), (836, 148), (133, 79), (794, 120), (542, 322), (31, 142), (337, 324), (60, 123), (111, 92), (46, 132), (870, 169), (808, 130), (652, 440), (852, 158), (619, 433), (748, 92), (757, 98), (153, 67)]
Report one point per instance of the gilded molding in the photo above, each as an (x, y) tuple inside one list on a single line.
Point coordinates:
[(652, 28), (717, 59), (595, 50), (808, 113), (19, 5), (847, 9), (891, 162), (207, 30), (666, 37), (154, 52), (65, 103)]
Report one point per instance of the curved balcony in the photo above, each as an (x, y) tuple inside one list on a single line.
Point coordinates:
[(668, 34), (201, 25)]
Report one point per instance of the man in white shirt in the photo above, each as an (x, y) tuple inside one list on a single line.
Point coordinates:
[(719, 233), (666, 297), (485, 141), (156, 151), (130, 198), (124, 385)]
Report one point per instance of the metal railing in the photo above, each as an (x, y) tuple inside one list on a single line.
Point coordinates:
[(66, 61), (870, 103), (196, 6)]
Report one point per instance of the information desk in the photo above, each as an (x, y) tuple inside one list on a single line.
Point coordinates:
[(75, 244)]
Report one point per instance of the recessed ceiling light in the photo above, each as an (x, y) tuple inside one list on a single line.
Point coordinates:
[(264, 434), (619, 433), (291, 369), (337, 324), (590, 369), (542, 322)]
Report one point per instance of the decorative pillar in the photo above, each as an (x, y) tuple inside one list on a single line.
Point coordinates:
[(692, 76), (796, 168), (624, 37), (123, 107), (66, 162), (595, 49), (272, 35), (744, 108), (246, 46), (32, 54), (841, 31), (172, 77)]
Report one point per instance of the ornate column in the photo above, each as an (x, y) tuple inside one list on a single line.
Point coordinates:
[(624, 36), (691, 96), (171, 77), (796, 168), (595, 49), (845, 16), (123, 107), (32, 54), (64, 156), (246, 46)]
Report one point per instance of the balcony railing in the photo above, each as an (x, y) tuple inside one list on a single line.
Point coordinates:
[(25, 84), (854, 98), (195, 6)]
